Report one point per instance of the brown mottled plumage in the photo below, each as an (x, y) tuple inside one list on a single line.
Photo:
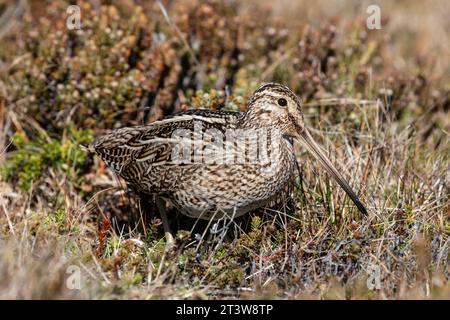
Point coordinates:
[(144, 156)]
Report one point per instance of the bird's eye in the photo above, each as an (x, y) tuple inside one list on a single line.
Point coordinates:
[(282, 102)]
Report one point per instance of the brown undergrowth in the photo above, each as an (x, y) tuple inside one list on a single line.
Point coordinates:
[(377, 102)]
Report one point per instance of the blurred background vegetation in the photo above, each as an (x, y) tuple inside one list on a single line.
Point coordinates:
[(386, 91)]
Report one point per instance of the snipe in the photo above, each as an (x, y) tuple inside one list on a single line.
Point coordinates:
[(215, 163)]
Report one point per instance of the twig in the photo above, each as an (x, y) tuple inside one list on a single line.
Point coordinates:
[(8, 220), (11, 16), (270, 69), (177, 31)]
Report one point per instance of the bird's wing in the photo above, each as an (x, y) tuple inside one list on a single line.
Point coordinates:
[(154, 144)]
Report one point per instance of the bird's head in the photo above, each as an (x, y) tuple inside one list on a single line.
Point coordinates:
[(276, 106)]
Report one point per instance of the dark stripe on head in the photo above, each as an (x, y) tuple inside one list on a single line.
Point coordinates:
[(272, 85), (277, 88)]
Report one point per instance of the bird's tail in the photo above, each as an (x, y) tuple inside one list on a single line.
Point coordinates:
[(88, 147)]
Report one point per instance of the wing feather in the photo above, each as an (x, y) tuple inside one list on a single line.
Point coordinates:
[(152, 144)]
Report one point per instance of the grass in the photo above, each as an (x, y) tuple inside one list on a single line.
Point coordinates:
[(376, 101)]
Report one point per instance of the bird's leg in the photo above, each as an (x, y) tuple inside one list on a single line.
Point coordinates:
[(162, 211)]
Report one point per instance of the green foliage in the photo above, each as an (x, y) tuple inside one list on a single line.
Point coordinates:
[(34, 157), (58, 217), (56, 221)]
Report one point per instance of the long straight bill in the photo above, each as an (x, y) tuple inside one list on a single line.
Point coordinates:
[(312, 147)]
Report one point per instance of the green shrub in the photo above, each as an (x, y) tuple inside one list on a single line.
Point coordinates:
[(34, 157)]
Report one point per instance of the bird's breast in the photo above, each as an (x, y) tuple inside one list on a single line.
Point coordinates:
[(212, 191)]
